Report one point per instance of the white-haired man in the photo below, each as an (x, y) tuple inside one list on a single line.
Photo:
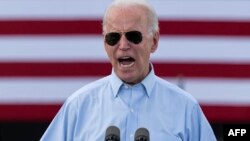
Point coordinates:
[(131, 97)]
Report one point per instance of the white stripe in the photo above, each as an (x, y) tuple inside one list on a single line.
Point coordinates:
[(204, 49), (42, 90), (190, 9), (90, 48), (220, 91), (52, 48), (47, 90), (215, 91), (203, 10)]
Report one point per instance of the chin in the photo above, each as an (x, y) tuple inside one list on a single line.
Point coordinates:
[(129, 78)]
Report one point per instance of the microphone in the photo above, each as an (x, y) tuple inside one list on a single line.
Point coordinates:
[(112, 134), (142, 134)]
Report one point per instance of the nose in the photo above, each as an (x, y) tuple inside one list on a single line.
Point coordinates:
[(124, 43)]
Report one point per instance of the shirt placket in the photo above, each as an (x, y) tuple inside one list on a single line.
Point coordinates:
[(132, 120)]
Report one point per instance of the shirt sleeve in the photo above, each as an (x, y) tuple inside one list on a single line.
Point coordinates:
[(62, 126), (198, 127)]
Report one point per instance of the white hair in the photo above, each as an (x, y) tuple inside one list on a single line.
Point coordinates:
[(152, 16)]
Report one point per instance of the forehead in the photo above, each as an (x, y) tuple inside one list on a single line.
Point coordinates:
[(122, 18)]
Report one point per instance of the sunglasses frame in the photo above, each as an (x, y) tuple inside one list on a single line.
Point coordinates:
[(113, 40)]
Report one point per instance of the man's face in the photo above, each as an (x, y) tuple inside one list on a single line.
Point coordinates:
[(130, 60)]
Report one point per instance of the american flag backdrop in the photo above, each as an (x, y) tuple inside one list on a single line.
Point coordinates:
[(49, 49)]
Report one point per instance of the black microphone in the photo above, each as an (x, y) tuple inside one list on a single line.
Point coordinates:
[(112, 134), (142, 134)]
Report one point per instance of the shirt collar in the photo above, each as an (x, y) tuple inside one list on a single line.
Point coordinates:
[(115, 82), (148, 82)]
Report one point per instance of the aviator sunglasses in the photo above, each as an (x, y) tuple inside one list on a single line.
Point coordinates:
[(113, 38)]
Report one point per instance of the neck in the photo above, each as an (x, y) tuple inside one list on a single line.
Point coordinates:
[(134, 83)]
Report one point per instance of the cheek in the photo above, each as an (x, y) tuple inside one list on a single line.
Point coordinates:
[(111, 54), (146, 50), (108, 51), (144, 56)]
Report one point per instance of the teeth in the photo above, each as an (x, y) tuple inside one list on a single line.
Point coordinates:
[(127, 65), (126, 61), (125, 57)]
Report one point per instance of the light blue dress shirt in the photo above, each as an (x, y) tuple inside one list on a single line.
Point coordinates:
[(169, 113)]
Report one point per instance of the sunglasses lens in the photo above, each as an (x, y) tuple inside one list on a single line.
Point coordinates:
[(134, 36), (112, 38)]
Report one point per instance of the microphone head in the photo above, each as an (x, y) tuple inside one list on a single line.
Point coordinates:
[(112, 134), (142, 134)]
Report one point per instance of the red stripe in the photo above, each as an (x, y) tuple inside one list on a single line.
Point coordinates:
[(56, 69), (28, 112), (206, 28), (43, 27), (224, 114), (83, 26), (40, 112)]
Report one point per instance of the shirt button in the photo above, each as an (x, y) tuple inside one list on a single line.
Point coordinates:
[(132, 110), (131, 135)]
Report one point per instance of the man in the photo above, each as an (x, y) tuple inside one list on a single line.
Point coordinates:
[(132, 96)]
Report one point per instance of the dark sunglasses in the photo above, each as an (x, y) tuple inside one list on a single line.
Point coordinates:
[(113, 38)]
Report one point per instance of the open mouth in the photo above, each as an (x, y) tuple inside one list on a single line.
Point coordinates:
[(126, 61)]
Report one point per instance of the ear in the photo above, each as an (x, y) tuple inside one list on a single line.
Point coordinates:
[(154, 46)]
